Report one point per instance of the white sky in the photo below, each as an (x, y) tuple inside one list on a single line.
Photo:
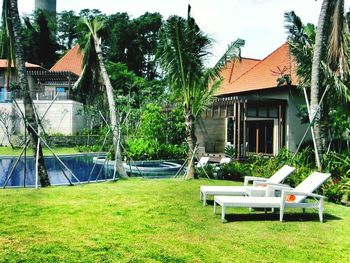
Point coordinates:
[(259, 22)]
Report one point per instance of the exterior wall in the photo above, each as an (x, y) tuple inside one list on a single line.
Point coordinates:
[(211, 132), (211, 135), (294, 130), (64, 117)]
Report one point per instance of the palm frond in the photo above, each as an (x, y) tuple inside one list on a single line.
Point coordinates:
[(89, 81), (232, 53), (337, 51), (340, 89), (301, 39)]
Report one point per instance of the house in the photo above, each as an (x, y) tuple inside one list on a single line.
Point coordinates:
[(255, 110), (64, 115)]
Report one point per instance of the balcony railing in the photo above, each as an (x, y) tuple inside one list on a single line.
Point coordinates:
[(47, 95)]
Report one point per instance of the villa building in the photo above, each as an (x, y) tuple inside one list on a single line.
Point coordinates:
[(64, 115), (256, 108)]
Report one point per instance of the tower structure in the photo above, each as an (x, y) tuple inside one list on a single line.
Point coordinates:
[(46, 5)]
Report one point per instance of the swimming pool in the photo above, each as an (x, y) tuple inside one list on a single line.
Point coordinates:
[(149, 169), (80, 165)]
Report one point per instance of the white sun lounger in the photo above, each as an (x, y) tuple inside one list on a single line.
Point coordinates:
[(276, 178), (290, 198)]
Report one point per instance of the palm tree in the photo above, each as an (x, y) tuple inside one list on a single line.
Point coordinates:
[(315, 77), (93, 61), (329, 31), (333, 77), (183, 49), (12, 30)]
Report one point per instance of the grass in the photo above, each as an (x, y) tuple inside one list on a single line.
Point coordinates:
[(8, 151), (140, 220)]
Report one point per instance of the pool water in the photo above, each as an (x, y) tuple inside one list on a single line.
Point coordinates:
[(80, 165)]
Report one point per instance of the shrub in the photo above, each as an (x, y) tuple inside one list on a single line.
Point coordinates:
[(230, 151), (205, 172), (338, 191), (141, 149), (233, 171)]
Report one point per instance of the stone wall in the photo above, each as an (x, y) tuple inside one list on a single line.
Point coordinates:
[(63, 117)]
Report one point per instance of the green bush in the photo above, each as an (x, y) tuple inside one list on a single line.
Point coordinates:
[(235, 171), (338, 164), (338, 191), (230, 151), (141, 149), (205, 172)]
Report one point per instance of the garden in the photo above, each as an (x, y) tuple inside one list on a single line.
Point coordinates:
[(145, 86), (140, 220)]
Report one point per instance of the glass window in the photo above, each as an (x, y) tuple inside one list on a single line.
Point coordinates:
[(60, 89), (251, 112), (262, 112), (273, 113), (2, 94), (230, 130)]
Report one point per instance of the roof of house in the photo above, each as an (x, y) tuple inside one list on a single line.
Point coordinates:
[(233, 70), (249, 75), (71, 61), (4, 63)]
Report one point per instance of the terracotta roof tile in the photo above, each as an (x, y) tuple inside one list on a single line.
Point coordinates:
[(71, 61), (262, 75), (233, 71), (4, 63)]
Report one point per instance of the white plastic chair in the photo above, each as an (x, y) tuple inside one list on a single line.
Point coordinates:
[(276, 178), (203, 161), (290, 198), (225, 160)]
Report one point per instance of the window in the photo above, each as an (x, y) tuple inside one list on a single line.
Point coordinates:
[(262, 111), (60, 89), (2, 94)]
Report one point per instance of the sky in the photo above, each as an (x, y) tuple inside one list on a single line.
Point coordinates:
[(258, 22)]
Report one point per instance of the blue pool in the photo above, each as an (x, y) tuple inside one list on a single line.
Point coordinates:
[(80, 165)]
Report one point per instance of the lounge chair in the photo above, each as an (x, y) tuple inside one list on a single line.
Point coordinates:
[(225, 160), (290, 198), (276, 178), (203, 161)]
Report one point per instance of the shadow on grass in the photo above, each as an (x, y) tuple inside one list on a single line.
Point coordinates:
[(259, 215), (288, 217)]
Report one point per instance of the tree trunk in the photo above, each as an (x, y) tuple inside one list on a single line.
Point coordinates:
[(191, 141), (112, 111), (31, 124), (315, 76)]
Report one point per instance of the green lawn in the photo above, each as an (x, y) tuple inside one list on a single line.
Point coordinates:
[(7, 151), (140, 220)]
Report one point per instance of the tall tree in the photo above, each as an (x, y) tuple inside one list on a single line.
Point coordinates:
[(315, 77), (39, 35), (134, 42), (183, 49), (92, 51), (67, 28), (12, 26), (334, 70), (329, 34)]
